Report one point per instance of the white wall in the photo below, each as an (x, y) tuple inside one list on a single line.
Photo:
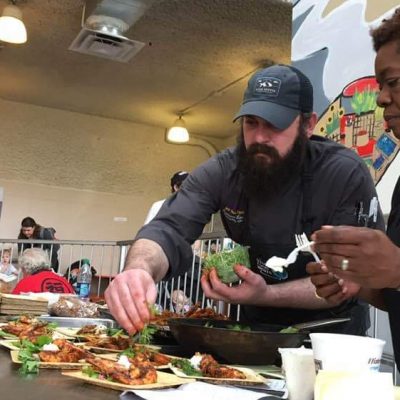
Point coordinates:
[(77, 172)]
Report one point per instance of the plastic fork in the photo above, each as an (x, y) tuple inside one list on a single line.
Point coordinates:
[(278, 263), (303, 242)]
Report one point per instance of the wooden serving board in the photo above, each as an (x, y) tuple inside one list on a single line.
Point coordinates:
[(164, 380), (10, 344)]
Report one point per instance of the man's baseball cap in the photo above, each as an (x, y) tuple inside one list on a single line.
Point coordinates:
[(178, 178), (277, 94)]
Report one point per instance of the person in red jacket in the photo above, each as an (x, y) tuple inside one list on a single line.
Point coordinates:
[(38, 276)]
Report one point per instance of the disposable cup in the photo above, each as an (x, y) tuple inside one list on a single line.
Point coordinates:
[(299, 370), (337, 352)]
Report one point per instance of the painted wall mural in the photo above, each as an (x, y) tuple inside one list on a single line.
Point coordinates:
[(331, 44)]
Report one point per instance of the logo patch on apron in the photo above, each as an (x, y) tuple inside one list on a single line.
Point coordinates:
[(235, 216)]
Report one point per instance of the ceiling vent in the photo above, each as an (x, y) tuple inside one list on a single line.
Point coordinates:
[(102, 32), (97, 43)]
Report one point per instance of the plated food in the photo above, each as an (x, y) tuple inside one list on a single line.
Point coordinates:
[(136, 371), (205, 367), (157, 359), (48, 353), (26, 328)]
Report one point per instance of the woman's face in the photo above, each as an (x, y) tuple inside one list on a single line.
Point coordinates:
[(27, 231)]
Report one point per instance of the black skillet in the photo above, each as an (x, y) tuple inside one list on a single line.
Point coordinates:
[(259, 346)]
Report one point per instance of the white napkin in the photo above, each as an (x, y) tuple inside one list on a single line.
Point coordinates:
[(197, 391)]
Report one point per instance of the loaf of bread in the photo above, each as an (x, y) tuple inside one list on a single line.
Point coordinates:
[(73, 307)]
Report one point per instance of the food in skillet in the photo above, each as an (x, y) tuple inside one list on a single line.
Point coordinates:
[(194, 312), (224, 261), (197, 312), (136, 372), (206, 365), (162, 318)]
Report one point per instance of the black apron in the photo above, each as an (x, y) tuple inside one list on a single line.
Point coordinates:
[(392, 296), (261, 252)]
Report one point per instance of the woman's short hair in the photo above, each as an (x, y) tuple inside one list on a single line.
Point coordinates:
[(33, 260), (28, 222)]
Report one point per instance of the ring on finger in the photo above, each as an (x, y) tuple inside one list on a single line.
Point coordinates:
[(317, 296), (344, 266)]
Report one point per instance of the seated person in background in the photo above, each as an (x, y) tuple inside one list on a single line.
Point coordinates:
[(6, 267), (31, 230), (71, 274), (38, 276)]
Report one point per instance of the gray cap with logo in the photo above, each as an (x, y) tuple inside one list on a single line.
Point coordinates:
[(277, 94)]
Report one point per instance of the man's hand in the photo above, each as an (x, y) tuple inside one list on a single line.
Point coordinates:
[(374, 261), (250, 291), (131, 292), (128, 298), (330, 287)]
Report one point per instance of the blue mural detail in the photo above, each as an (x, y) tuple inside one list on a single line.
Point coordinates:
[(386, 145)]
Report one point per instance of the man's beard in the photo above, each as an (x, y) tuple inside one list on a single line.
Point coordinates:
[(265, 176)]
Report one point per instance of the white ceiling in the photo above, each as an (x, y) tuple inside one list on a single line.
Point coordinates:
[(194, 47)]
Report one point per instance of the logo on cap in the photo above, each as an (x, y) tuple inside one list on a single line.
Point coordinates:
[(268, 86)]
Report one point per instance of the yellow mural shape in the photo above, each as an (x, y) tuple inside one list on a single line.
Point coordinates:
[(374, 8)]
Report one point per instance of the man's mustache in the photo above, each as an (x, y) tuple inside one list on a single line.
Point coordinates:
[(257, 148)]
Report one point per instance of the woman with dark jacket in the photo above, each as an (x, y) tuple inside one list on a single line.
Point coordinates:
[(31, 230)]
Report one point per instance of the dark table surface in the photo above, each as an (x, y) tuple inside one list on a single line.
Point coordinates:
[(48, 385)]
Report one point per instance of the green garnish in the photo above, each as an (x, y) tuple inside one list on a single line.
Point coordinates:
[(186, 367), (129, 352), (146, 334), (289, 329), (224, 262), (153, 310), (238, 327), (90, 372), (41, 341), (52, 326), (28, 354), (115, 332), (6, 334)]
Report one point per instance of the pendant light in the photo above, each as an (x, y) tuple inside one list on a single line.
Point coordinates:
[(12, 29), (178, 132)]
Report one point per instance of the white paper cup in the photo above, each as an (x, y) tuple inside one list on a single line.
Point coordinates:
[(335, 352), (346, 385), (299, 370)]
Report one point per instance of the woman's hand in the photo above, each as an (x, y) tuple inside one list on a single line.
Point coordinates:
[(329, 286)]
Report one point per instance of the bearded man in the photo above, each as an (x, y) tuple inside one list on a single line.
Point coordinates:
[(277, 182)]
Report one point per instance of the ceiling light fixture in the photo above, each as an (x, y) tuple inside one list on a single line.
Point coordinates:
[(178, 132), (12, 29)]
